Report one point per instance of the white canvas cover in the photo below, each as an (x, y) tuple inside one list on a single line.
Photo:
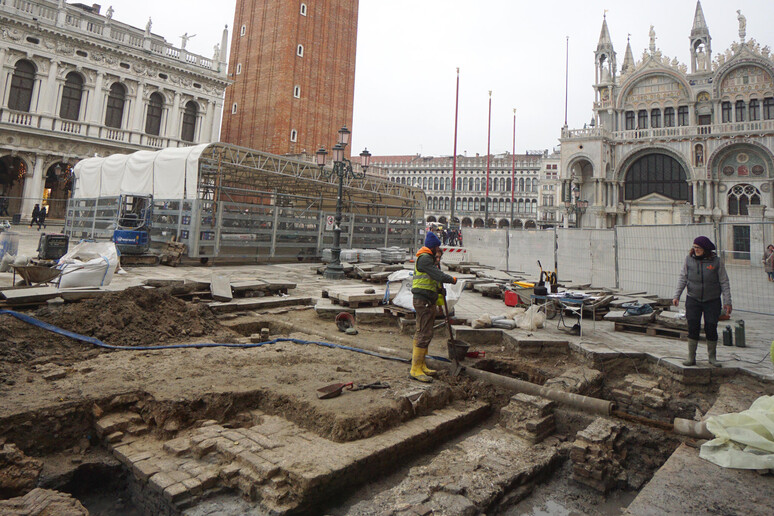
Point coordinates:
[(170, 173)]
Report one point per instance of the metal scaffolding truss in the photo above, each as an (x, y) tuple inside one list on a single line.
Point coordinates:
[(231, 172)]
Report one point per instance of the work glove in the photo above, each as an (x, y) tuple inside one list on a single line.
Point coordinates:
[(442, 291), (454, 280)]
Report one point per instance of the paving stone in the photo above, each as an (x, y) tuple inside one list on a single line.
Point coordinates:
[(175, 492), (178, 446), (161, 481), (145, 469)]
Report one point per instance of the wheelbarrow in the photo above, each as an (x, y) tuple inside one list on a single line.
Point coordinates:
[(36, 274)]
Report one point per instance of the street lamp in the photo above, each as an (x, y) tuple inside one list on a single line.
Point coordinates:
[(576, 206), (342, 167)]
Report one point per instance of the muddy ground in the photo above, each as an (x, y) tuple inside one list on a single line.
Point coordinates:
[(53, 387)]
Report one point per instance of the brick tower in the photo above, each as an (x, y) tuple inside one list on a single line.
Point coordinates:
[(293, 66)]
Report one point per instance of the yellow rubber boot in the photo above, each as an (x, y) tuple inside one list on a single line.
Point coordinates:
[(417, 359), (425, 369)]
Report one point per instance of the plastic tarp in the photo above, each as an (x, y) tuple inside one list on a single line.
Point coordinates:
[(743, 440), (171, 173), (405, 299)]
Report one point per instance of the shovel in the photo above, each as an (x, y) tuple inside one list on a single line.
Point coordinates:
[(333, 390), (456, 348)]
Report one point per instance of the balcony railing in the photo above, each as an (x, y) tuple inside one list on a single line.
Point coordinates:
[(44, 12), (688, 131), (70, 128)]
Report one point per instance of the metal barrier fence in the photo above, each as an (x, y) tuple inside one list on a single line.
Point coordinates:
[(633, 258), (245, 231)]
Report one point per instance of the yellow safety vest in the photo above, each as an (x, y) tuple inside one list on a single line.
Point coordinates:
[(423, 280)]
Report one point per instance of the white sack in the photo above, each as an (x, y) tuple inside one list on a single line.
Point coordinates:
[(88, 264), (532, 319), (405, 299)]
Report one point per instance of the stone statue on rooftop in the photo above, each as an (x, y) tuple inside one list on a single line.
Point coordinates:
[(742, 24), (216, 53), (652, 34), (109, 13), (148, 27), (185, 37)]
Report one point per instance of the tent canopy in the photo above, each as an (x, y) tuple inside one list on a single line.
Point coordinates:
[(171, 173)]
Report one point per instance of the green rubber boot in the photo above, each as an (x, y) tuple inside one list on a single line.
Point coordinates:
[(712, 346), (692, 345)]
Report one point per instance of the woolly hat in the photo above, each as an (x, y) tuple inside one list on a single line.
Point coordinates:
[(431, 240), (705, 243)]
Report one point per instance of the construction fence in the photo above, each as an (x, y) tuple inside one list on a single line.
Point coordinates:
[(633, 258), (245, 231)]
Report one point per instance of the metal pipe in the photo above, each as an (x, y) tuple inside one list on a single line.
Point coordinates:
[(583, 403)]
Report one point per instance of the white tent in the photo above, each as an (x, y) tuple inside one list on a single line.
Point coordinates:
[(171, 173)]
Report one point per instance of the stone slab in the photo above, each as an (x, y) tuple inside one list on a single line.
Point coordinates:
[(260, 303), (28, 295), (220, 286)]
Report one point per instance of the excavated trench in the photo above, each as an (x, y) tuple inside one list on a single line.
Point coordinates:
[(647, 395)]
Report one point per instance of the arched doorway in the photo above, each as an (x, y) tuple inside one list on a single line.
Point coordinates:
[(653, 185), (530, 224), (57, 188), (466, 222), (517, 224), (503, 223), (12, 172), (431, 219), (478, 223), (491, 223), (442, 220)]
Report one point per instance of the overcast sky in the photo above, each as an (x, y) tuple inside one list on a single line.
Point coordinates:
[(408, 52)]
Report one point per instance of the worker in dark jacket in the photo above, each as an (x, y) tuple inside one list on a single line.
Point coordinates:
[(706, 279), (426, 286)]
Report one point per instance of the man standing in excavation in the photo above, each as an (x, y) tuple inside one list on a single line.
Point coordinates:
[(427, 284)]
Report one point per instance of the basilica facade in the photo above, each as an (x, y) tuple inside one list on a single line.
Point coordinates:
[(75, 83), (674, 143)]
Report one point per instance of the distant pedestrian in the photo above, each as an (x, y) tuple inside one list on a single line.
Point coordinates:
[(42, 218), (706, 279), (35, 215), (768, 261), (4, 206)]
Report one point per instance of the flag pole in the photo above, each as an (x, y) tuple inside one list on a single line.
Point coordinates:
[(454, 158), (488, 156)]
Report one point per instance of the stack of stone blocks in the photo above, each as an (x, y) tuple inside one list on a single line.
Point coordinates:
[(598, 454), (640, 395), (529, 417)]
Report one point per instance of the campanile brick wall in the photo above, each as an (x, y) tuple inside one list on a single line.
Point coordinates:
[(266, 54)]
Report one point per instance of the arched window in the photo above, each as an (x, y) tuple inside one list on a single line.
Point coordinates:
[(294, 138), (297, 91), (740, 197), (435, 183), (768, 108), (114, 114), (435, 203), (739, 110), (521, 205), (534, 184), (508, 185), (448, 183), (656, 173), (429, 201), (475, 205), (446, 203), (642, 119), (458, 204), (22, 83), (755, 110), (478, 185), (725, 112), (189, 121), (629, 120), (521, 184), (70, 109), (303, 10), (464, 204), (655, 118), (669, 117), (534, 205), (300, 50), (459, 183), (424, 183), (153, 119), (502, 205)]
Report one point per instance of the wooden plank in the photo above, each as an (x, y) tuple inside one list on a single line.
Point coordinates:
[(220, 286), (362, 297), (258, 303)]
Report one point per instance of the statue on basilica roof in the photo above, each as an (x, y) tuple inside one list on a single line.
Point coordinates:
[(652, 34), (742, 24)]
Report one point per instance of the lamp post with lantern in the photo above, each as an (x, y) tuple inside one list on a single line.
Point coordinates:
[(342, 167), (575, 206)]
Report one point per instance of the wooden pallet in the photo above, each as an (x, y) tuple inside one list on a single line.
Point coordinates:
[(357, 304), (652, 330), (398, 311)]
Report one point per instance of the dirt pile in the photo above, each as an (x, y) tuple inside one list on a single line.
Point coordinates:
[(136, 317)]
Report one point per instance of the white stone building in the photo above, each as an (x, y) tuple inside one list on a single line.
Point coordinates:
[(550, 208), (434, 176), (672, 143), (76, 82)]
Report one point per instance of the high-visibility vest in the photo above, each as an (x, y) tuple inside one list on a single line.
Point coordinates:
[(423, 280)]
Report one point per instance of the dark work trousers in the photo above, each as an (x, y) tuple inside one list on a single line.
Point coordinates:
[(425, 321), (693, 312)]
